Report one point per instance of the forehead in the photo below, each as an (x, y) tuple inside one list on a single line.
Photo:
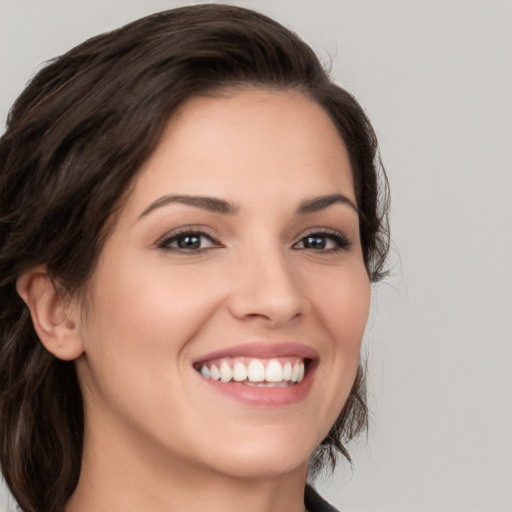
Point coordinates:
[(243, 145)]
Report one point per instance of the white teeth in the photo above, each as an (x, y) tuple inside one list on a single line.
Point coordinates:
[(282, 384), (226, 373), (274, 371), (287, 371), (301, 372), (256, 371), (239, 371), (295, 372), (214, 373)]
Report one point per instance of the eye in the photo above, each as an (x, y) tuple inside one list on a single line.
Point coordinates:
[(188, 241), (323, 242)]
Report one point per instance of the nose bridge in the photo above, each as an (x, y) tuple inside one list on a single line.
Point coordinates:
[(268, 287)]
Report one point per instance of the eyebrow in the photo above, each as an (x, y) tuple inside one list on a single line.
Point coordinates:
[(206, 203), (320, 203), (216, 205)]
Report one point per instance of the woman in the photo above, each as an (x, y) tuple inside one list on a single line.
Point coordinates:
[(191, 219)]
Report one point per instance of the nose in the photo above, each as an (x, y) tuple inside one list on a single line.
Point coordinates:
[(267, 290)]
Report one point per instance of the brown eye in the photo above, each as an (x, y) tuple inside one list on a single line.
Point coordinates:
[(323, 242), (190, 241), (315, 242)]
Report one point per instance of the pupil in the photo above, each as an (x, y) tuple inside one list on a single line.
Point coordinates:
[(315, 242), (189, 242)]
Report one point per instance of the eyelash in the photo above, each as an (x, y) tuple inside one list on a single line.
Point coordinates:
[(165, 243), (340, 241)]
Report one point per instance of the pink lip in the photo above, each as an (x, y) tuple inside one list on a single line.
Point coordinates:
[(263, 350), (269, 397), (265, 396)]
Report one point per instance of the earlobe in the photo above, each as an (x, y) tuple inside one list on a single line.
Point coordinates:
[(54, 320)]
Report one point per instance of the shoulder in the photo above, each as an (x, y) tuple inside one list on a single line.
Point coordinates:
[(315, 503)]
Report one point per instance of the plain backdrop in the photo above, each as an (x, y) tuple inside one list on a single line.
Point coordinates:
[(435, 77)]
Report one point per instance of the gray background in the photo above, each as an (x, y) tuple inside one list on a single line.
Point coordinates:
[(436, 79)]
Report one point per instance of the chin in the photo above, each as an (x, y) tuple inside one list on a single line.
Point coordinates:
[(269, 455), (264, 465)]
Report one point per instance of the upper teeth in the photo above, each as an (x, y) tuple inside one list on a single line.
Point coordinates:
[(256, 370)]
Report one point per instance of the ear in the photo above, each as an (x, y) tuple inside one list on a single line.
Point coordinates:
[(55, 320)]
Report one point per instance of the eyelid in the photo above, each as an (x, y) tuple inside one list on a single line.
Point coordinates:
[(163, 243), (188, 230), (341, 240)]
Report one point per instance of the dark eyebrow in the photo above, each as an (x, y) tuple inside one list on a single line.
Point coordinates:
[(206, 203), (320, 203)]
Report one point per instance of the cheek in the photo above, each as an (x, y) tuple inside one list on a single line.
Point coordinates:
[(141, 324), (342, 310), (343, 307), (340, 303), (142, 308)]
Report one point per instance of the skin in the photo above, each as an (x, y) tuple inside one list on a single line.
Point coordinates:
[(156, 437)]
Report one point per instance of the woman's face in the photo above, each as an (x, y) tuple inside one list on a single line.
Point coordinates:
[(234, 265)]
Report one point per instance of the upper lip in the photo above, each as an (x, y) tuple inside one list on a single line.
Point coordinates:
[(263, 350)]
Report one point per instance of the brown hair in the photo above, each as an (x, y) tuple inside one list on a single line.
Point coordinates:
[(75, 139)]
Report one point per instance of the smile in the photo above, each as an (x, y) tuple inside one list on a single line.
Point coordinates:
[(260, 373), (275, 372)]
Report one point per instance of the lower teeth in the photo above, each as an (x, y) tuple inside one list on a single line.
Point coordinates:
[(282, 384)]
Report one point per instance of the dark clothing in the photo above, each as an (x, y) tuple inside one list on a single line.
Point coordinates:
[(315, 503)]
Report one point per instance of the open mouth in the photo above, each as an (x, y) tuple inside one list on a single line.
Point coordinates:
[(255, 372)]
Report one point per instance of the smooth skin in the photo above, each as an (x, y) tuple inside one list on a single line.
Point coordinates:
[(178, 279)]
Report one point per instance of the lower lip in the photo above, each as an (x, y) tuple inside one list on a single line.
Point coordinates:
[(264, 396)]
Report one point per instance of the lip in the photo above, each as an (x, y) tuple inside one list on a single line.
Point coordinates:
[(263, 350), (264, 396)]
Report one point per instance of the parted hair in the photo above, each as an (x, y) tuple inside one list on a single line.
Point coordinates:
[(74, 141)]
